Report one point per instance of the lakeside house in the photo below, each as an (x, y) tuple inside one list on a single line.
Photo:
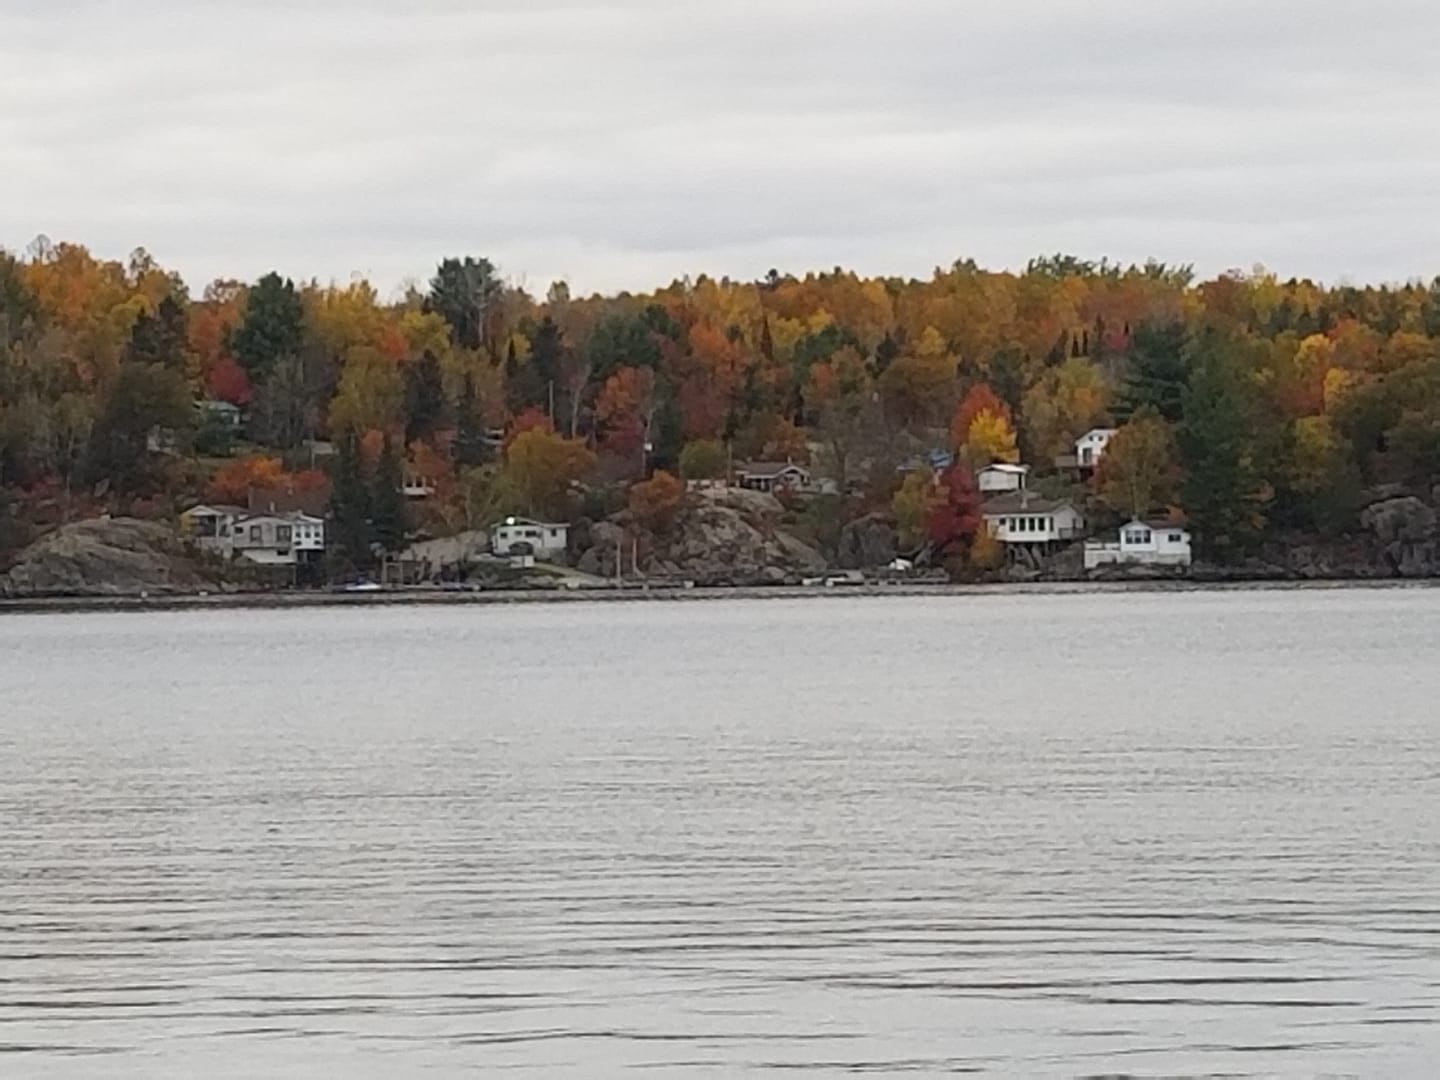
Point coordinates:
[(1142, 543), (291, 538), (771, 476), (1091, 447), (1000, 478), (517, 536), (1022, 519)]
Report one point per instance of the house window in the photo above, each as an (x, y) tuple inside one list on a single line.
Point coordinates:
[(1176, 538), (282, 534), (257, 534)]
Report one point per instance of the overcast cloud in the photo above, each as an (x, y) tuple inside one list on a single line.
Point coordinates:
[(621, 143)]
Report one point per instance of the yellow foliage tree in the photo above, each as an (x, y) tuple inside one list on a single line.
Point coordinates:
[(912, 506), (990, 439)]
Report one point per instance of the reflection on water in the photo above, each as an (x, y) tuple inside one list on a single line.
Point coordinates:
[(1074, 835)]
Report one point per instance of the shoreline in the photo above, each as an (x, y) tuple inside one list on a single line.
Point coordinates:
[(403, 597)]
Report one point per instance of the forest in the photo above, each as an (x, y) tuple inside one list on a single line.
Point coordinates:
[(1251, 408)]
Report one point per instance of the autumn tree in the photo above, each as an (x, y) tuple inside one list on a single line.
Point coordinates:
[(913, 506), (540, 467), (371, 395), (955, 516), (656, 502), (704, 459), (982, 430), (234, 480), (1138, 472)]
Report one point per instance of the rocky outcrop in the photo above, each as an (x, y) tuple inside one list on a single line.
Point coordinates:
[(108, 557), (731, 539), (1404, 531), (867, 543)]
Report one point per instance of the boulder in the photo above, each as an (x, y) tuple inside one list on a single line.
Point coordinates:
[(1404, 529), (108, 557), (732, 538), (867, 543)]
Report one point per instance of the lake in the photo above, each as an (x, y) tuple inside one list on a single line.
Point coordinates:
[(1064, 835)]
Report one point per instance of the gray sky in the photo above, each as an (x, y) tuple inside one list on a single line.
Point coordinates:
[(621, 143)]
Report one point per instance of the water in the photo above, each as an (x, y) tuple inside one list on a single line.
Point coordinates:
[(1023, 835)]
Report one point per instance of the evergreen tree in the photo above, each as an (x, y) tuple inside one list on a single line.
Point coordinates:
[(1223, 493), (350, 500), (389, 516), (1158, 372), (470, 446), (273, 326), (424, 398), (465, 293), (141, 402), (162, 338)]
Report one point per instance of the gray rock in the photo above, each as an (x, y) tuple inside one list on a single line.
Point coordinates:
[(1405, 531), (109, 557), (867, 542)]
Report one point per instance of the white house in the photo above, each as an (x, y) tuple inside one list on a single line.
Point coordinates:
[(286, 539), (1000, 478), (1091, 446), (772, 475), (1142, 543), (522, 536), (279, 539), (1022, 518)]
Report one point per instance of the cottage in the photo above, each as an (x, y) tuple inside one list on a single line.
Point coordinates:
[(1022, 518), (1143, 543), (522, 536), (276, 539), (279, 539), (999, 479), (772, 476), (1091, 446)]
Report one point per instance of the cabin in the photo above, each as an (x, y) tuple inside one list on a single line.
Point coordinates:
[(523, 536), (772, 476), (1000, 479), (1091, 447), (1143, 543), (1020, 518)]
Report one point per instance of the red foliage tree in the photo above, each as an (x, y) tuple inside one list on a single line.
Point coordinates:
[(956, 517), (227, 381)]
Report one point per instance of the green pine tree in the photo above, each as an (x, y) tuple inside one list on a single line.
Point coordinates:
[(350, 501), (389, 516)]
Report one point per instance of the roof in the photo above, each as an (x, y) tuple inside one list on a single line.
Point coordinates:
[(1005, 467), (1156, 525), (292, 517), (520, 522), (768, 468), (1107, 431), (1021, 502), (209, 509)]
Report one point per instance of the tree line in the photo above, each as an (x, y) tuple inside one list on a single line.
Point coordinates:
[(1251, 407)]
